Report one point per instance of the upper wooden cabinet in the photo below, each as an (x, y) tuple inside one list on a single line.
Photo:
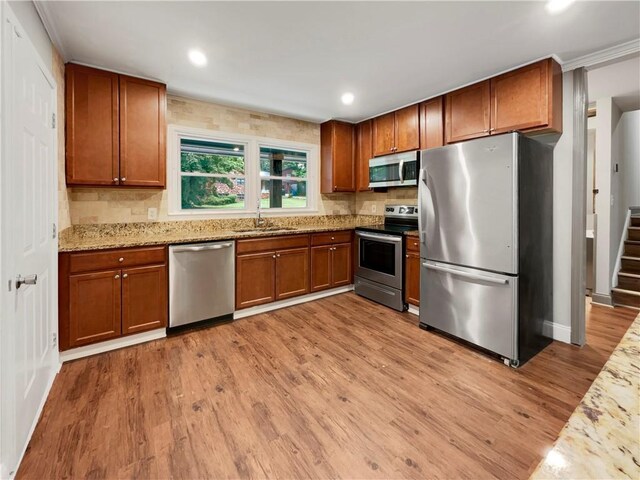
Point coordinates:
[(115, 129), (468, 113), (432, 123), (526, 99), (337, 146), (92, 145), (364, 152), (142, 132), (397, 131), (529, 98)]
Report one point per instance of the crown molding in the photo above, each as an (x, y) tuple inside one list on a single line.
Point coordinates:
[(602, 57), (44, 11)]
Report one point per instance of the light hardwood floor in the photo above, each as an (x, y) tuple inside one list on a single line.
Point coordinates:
[(340, 387)]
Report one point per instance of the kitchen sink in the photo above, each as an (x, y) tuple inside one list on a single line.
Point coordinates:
[(263, 229)]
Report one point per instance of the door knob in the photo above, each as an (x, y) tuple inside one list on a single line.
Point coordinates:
[(28, 280)]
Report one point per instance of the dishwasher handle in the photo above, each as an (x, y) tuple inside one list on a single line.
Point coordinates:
[(202, 248)]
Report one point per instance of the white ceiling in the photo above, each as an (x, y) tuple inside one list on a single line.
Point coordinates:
[(620, 80), (297, 58)]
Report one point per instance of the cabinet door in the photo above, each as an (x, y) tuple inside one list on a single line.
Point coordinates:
[(364, 152), (337, 155), (520, 99), (432, 123), (344, 146), (341, 262), (142, 132), (407, 129), (384, 134), (144, 298), (320, 268), (255, 279), (94, 307), (292, 273), (467, 112), (92, 155), (412, 278)]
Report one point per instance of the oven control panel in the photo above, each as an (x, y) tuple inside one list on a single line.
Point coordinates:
[(401, 211)]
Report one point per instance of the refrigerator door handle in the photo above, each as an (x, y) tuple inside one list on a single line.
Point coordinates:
[(422, 224), (473, 276)]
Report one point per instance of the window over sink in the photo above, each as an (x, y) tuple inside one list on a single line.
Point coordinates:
[(215, 174)]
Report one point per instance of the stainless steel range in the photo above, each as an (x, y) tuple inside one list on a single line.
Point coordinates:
[(379, 274)]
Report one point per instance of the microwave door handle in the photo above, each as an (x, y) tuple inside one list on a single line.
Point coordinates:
[(401, 169)]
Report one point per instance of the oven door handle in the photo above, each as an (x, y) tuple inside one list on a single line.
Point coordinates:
[(382, 238), (401, 171)]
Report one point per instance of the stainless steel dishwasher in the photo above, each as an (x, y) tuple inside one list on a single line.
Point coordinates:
[(201, 282)]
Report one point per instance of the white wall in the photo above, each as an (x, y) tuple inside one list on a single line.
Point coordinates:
[(28, 17), (562, 209), (630, 158), (618, 209)]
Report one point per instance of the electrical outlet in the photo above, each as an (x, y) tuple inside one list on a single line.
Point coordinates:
[(152, 214), (374, 207)]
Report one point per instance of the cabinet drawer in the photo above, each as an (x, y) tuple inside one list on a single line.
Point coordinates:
[(272, 243), (99, 260), (330, 238), (413, 244)]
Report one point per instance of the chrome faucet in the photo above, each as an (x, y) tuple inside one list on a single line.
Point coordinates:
[(259, 220)]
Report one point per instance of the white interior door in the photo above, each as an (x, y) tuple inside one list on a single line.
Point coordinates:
[(29, 259)]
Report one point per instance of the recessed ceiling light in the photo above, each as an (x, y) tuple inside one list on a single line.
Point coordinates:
[(557, 6), (197, 58), (347, 98)]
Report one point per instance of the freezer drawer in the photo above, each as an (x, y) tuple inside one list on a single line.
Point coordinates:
[(476, 306)]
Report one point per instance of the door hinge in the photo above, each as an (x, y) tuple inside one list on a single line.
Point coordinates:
[(53, 120), (55, 231), (54, 340)]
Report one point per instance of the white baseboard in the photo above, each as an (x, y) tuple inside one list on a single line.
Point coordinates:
[(561, 333), (114, 344), (414, 310), (248, 312)]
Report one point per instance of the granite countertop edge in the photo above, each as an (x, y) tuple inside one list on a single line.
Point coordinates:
[(78, 244)]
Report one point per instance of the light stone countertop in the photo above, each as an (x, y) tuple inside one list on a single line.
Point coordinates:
[(122, 235), (602, 437)]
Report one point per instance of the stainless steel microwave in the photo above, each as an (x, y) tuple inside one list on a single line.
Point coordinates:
[(397, 170)]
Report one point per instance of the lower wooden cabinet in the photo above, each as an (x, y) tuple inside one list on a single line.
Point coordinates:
[(412, 272), (255, 279), (331, 262), (292, 273), (110, 293), (144, 298), (270, 269), (95, 304)]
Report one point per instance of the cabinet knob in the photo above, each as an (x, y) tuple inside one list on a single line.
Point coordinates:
[(333, 238), (274, 256), (115, 179), (121, 259), (407, 256), (485, 131), (125, 275), (117, 277), (335, 187), (123, 179)]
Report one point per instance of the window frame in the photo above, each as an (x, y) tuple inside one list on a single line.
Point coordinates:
[(253, 180)]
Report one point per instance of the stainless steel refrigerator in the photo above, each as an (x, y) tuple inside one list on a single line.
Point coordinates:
[(486, 234)]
